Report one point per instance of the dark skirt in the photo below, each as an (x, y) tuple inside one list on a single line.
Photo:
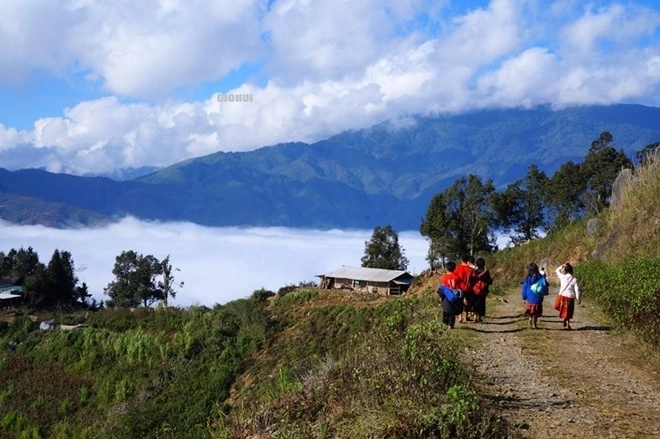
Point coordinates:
[(566, 308), (449, 319), (454, 307), (534, 309), (479, 304), (469, 302)]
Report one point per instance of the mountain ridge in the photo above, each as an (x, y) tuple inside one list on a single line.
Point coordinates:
[(385, 174)]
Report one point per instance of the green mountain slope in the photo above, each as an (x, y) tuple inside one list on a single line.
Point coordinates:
[(358, 179)]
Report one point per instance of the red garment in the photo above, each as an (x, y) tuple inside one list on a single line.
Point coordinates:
[(466, 277), (450, 280), (534, 310), (481, 286), (567, 308)]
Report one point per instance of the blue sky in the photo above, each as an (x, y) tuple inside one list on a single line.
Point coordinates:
[(93, 86)]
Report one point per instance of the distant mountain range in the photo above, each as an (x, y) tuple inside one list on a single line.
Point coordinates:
[(386, 174)]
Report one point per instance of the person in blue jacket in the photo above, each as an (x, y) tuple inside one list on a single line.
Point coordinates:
[(534, 289)]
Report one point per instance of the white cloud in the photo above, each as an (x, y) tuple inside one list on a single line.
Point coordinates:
[(105, 134), (521, 81), (11, 137), (217, 264), (35, 35), (138, 49), (614, 25), (167, 44), (485, 34), (317, 39), (325, 67)]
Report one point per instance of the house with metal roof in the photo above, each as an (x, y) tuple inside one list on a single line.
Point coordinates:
[(372, 280), (11, 287)]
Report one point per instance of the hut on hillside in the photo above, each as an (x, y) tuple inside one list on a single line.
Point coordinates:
[(372, 280), (10, 288)]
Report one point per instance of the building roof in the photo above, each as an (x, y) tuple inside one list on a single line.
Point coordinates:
[(370, 274), (10, 281), (10, 287), (5, 295)]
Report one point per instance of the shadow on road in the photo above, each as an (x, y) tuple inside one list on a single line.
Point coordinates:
[(506, 317), (558, 327), (594, 328), (506, 322), (487, 331)]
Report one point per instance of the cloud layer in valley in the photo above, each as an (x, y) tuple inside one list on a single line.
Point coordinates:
[(90, 86), (217, 264)]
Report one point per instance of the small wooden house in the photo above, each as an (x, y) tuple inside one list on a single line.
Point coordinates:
[(11, 287), (372, 280)]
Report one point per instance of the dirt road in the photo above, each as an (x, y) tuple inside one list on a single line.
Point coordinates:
[(586, 383)]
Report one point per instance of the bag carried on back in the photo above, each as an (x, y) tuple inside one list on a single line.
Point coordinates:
[(449, 294), (452, 300), (483, 282), (540, 287)]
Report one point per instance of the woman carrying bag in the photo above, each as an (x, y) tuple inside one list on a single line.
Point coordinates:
[(533, 296), (569, 292)]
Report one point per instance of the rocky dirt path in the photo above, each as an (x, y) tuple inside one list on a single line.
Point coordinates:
[(585, 383)]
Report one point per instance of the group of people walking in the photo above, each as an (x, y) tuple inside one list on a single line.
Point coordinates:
[(535, 288), (464, 289), (465, 286)]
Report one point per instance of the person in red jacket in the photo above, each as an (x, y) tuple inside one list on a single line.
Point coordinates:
[(452, 297), (465, 272)]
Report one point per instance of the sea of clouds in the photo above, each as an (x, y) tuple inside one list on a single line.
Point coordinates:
[(217, 265)]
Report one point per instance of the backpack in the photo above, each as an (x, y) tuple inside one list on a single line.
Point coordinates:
[(449, 294), (540, 287), (481, 285)]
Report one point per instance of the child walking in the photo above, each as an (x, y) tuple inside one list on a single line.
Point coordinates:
[(569, 292), (481, 290), (534, 288), (451, 296)]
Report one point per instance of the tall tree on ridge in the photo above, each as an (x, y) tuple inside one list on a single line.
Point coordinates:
[(601, 166), (167, 284), (564, 196), (61, 276), (384, 251), (458, 220), (135, 281), (520, 208)]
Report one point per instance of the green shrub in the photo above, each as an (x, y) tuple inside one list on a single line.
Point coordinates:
[(19, 329), (629, 292)]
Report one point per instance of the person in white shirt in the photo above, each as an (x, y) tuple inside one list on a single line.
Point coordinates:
[(569, 293)]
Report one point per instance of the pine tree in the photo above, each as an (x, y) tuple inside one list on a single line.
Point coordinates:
[(383, 250)]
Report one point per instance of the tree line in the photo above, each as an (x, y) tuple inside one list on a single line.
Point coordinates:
[(139, 280), (461, 219)]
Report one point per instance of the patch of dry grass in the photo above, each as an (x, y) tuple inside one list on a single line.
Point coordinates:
[(633, 229)]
